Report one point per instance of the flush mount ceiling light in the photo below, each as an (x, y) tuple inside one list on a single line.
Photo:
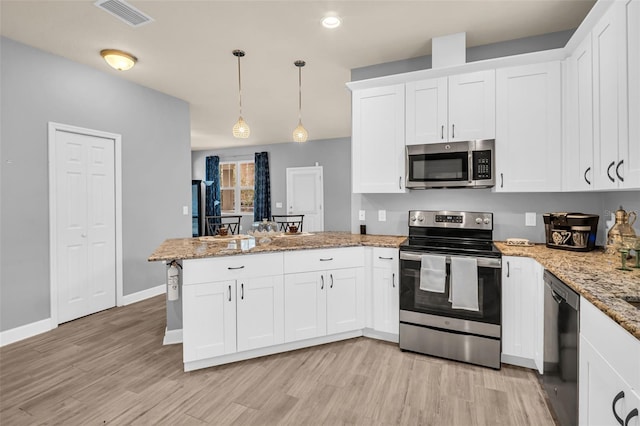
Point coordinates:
[(118, 59), (241, 128), (331, 21), (300, 133)]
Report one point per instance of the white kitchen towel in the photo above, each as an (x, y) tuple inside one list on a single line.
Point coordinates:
[(464, 283), (433, 273)]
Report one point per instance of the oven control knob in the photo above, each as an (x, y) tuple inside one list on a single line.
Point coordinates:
[(478, 220), (413, 219), (421, 218), (487, 221)]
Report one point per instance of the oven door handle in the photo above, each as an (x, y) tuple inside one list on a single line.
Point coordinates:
[(483, 262)]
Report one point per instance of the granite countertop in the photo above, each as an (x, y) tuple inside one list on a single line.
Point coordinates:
[(196, 248), (594, 276)]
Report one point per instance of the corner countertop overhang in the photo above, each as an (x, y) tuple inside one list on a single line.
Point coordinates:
[(197, 248), (594, 276)]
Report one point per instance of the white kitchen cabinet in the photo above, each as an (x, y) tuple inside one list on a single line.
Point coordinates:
[(232, 304), (630, 150), (522, 312), (260, 312), (455, 108), (385, 290), (209, 320), (377, 140), (528, 128), (578, 144), (329, 298), (609, 370)]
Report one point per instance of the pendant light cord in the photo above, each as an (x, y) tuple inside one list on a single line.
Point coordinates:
[(239, 86), (300, 94)]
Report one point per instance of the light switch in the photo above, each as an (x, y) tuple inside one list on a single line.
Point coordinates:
[(530, 219), (361, 215), (382, 215), (278, 205), (185, 210)]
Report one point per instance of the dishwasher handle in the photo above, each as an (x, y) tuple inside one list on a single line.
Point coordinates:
[(561, 292)]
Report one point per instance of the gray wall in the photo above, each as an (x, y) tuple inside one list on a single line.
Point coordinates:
[(477, 53), (38, 87), (334, 155)]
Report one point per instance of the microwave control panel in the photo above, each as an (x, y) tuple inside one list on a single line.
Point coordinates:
[(481, 165)]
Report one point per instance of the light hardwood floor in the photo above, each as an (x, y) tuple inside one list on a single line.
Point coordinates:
[(111, 368)]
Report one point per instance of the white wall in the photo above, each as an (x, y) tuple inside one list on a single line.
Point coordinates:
[(38, 87)]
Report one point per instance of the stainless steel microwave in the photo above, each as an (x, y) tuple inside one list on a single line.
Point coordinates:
[(468, 164)]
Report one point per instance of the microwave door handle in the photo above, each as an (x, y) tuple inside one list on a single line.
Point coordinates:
[(470, 171)]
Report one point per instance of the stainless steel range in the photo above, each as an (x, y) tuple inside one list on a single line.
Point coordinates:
[(450, 287)]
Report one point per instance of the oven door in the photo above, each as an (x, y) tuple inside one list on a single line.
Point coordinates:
[(438, 165), (413, 299)]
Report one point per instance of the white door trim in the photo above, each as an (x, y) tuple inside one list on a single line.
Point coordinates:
[(53, 237)]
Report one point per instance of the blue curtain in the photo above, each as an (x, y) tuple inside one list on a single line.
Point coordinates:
[(262, 192), (212, 180)]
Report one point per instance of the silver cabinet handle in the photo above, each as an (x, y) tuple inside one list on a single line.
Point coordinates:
[(393, 280), (400, 182), (229, 293), (453, 131), (331, 275), (326, 259), (585, 175), (385, 258), (609, 171), (501, 180), (508, 270), (322, 284), (236, 267), (242, 291), (618, 170), (442, 132)]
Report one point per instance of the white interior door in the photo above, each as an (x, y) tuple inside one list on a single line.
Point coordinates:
[(305, 196), (85, 224)]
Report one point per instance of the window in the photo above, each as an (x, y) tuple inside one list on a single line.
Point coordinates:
[(237, 187)]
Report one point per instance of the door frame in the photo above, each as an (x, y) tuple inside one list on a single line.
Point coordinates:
[(53, 234), (319, 169)]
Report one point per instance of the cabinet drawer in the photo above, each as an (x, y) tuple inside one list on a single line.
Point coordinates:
[(617, 346), (231, 268), (320, 260), (385, 257)]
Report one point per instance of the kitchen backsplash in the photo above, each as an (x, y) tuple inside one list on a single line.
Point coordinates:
[(508, 208)]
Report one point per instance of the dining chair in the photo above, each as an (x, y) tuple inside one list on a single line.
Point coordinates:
[(284, 221), (231, 222)]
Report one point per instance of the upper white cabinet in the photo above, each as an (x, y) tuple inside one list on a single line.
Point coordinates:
[(377, 140), (528, 128), (616, 46), (522, 312), (456, 108), (578, 142)]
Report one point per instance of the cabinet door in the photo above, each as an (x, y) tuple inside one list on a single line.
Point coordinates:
[(260, 312), (472, 106), (305, 312), (518, 308), (426, 111), (209, 320), (345, 299), (386, 303), (630, 151), (528, 132), (603, 394), (578, 147), (377, 140), (609, 96)]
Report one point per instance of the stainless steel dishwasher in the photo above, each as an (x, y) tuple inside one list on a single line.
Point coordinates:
[(561, 337)]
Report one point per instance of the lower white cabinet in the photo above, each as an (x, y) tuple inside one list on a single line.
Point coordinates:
[(609, 380), (522, 312), (260, 312), (385, 290), (323, 302)]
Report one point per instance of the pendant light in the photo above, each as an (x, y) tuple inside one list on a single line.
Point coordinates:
[(241, 128), (300, 133)]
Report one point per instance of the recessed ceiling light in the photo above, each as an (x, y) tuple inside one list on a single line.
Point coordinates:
[(331, 22)]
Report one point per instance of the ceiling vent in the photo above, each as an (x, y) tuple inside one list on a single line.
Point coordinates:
[(125, 12)]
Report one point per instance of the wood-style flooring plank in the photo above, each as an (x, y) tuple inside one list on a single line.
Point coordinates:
[(111, 368)]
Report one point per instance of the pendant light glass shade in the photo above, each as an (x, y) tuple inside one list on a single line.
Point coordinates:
[(241, 128), (300, 134)]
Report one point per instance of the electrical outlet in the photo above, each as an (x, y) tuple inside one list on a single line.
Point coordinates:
[(185, 210), (530, 219), (382, 215), (361, 215)]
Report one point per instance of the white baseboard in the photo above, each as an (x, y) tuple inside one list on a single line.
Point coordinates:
[(172, 337), (380, 335), (25, 331), (518, 361), (144, 294)]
